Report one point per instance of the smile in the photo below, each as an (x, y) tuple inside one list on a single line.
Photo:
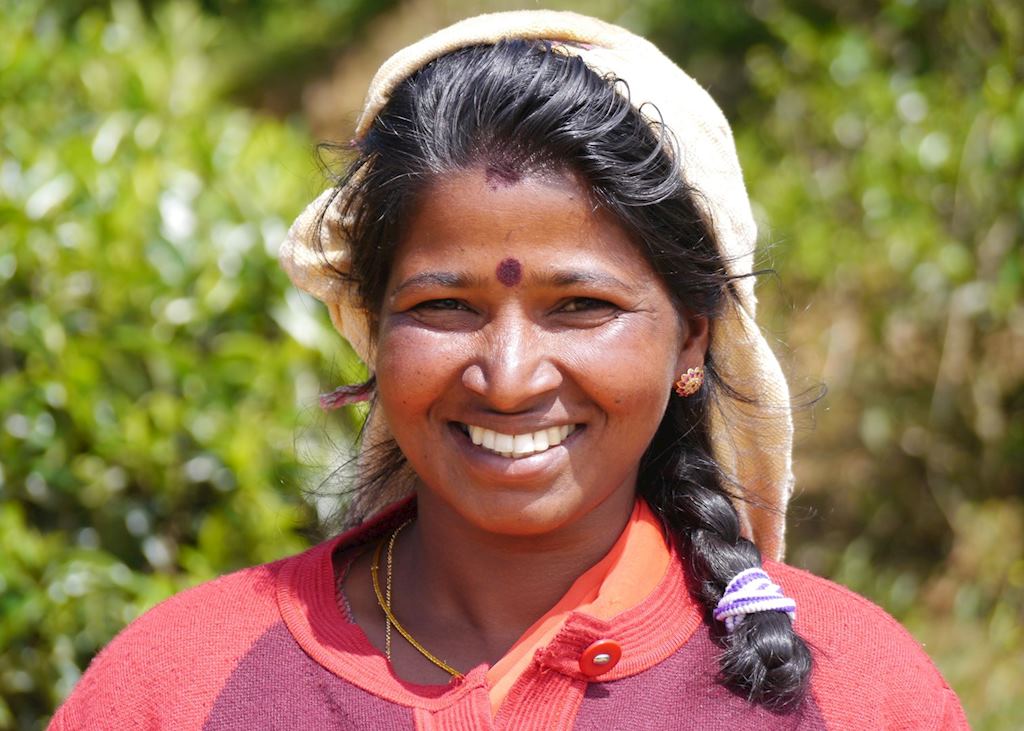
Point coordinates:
[(518, 445)]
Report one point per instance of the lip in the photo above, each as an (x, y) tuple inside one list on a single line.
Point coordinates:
[(494, 466)]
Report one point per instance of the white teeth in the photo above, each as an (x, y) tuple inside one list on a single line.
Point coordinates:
[(519, 445), (503, 442), (522, 444)]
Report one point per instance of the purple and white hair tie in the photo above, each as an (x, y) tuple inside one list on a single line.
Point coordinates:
[(751, 591)]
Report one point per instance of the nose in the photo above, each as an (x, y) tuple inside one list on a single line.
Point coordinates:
[(515, 366)]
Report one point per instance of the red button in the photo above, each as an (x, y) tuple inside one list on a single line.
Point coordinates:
[(600, 657)]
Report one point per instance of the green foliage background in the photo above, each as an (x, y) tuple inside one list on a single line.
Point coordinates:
[(158, 375)]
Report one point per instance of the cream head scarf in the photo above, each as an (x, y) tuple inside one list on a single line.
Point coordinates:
[(751, 441)]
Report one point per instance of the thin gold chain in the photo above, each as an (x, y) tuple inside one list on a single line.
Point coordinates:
[(384, 602), (387, 621)]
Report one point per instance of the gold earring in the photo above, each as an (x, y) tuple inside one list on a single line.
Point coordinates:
[(690, 382)]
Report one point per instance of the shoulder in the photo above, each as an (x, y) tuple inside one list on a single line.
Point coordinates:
[(869, 671), (839, 621), (176, 655)]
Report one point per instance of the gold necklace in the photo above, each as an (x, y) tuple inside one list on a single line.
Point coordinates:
[(384, 602)]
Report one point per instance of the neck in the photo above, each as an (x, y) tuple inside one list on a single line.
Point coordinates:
[(496, 586)]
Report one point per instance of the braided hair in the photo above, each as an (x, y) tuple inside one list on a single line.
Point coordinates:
[(521, 107)]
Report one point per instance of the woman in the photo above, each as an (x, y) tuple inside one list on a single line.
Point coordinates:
[(579, 444)]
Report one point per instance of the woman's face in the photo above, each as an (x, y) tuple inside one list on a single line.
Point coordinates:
[(526, 352)]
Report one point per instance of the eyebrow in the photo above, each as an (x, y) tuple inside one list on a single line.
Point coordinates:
[(573, 277), (448, 280)]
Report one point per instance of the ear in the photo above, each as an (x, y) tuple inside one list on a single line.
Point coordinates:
[(694, 345)]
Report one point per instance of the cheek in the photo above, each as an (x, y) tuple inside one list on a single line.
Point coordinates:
[(635, 395), (629, 376), (413, 368)]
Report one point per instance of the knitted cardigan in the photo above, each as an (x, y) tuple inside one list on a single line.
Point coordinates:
[(269, 648)]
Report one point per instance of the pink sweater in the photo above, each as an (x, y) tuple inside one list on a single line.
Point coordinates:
[(269, 648)]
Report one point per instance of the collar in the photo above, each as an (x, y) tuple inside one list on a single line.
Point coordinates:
[(646, 633)]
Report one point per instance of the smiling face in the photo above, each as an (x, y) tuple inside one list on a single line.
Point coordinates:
[(525, 354)]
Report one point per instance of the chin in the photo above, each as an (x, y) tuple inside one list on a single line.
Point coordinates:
[(522, 513)]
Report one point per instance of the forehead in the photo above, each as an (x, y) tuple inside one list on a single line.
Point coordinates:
[(468, 220)]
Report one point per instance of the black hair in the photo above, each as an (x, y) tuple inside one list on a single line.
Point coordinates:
[(523, 107)]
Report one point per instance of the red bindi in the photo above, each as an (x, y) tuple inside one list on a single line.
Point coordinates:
[(509, 272)]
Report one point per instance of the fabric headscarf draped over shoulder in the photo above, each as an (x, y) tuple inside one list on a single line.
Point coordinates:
[(751, 441)]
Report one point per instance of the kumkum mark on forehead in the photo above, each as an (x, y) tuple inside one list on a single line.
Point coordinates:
[(502, 174), (509, 272)]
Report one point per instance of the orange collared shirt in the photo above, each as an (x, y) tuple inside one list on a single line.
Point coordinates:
[(628, 573)]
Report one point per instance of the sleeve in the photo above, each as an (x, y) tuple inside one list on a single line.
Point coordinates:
[(953, 717), (164, 670), (57, 723), (869, 671)]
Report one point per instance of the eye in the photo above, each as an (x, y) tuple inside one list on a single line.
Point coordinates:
[(586, 304), (446, 304)]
